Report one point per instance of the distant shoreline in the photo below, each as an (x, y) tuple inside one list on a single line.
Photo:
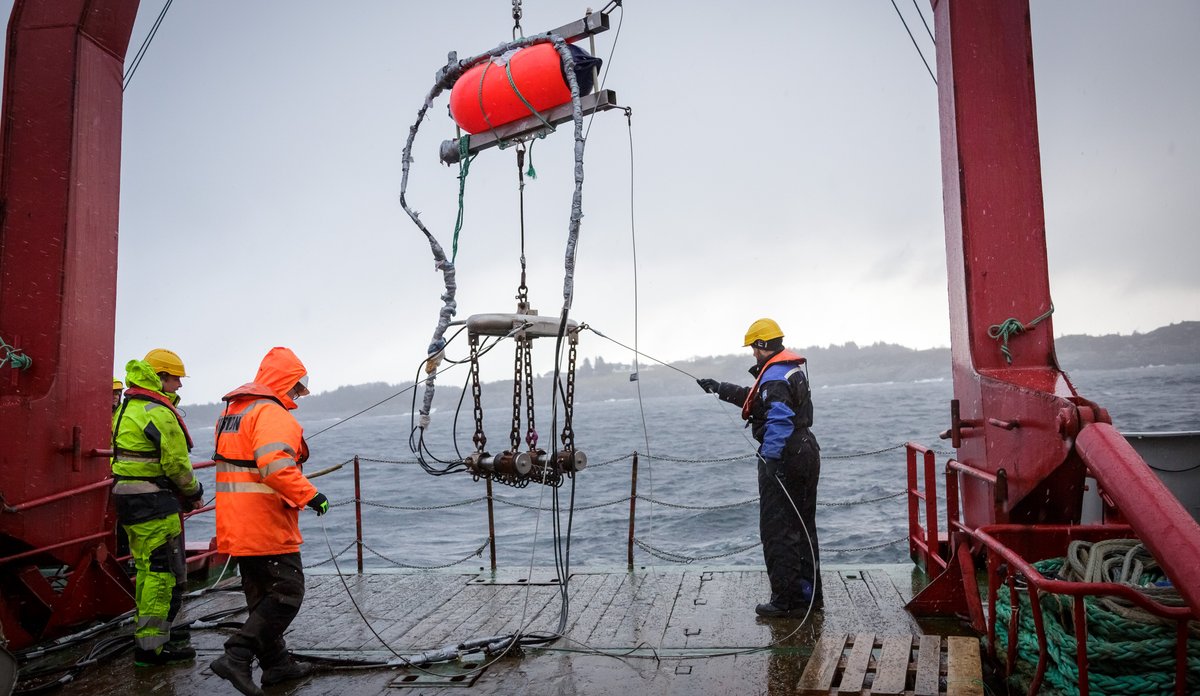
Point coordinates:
[(848, 364)]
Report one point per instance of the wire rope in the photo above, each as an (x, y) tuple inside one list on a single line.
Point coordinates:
[(141, 52), (914, 40)]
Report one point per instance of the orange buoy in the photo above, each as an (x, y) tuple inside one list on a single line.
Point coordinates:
[(483, 98)]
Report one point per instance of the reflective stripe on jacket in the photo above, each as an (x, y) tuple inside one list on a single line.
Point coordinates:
[(150, 445), (259, 451)]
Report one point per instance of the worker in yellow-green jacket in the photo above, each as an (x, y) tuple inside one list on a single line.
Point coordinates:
[(153, 482)]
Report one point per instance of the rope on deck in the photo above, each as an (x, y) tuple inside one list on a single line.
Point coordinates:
[(1126, 655)]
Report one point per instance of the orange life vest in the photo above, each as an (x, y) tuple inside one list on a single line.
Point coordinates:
[(783, 356)]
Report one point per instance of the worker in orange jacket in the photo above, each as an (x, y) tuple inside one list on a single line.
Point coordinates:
[(260, 489)]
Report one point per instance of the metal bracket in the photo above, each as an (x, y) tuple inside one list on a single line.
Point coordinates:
[(529, 127)]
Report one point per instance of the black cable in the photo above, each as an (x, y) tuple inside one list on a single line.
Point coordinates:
[(380, 403), (608, 64), (914, 41), (141, 52), (922, 16)]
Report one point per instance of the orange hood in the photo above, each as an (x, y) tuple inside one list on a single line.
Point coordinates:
[(277, 374)]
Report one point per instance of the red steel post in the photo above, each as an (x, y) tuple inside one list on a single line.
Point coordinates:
[(358, 531)]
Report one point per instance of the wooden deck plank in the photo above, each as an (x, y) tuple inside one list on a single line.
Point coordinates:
[(890, 601), (818, 673), (963, 668), (929, 666), (639, 611), (620, 611), (378, 598), (436, 628), (857, 663), (870, 615), (710, 605), (584, 619), (417, 602), (892, 667)]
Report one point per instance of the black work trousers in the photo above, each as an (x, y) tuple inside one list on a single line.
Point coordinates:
[(274, 587), (789, 540)]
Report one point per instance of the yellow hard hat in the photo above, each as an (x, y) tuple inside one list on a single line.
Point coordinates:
[(762, 330), (163, 360), (118, 384)]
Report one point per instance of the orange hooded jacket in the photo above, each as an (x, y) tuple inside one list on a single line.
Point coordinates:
[(259, 452)]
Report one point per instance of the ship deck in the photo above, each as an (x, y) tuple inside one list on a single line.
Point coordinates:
[(673, 630)]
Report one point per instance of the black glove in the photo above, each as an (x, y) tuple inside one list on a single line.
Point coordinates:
[(195, 501), (709, 385), (319, 504), (773, 467)]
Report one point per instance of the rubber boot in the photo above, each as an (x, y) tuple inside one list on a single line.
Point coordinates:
[(168, 654), (234, 667), (286, 669)]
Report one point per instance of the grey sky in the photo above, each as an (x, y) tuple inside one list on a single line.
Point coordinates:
[(787, 165)]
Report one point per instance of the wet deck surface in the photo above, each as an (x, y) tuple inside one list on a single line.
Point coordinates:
[(699, 623)]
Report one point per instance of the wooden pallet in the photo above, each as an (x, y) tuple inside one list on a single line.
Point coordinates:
[(907, 665)]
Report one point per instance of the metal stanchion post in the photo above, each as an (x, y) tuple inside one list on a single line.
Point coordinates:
[(491, 524), (358, 532), (632, 505)]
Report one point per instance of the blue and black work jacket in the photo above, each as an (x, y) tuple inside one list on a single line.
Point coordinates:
[(778, 408)]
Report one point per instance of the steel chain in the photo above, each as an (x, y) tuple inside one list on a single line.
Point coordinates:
[(698, 507), (849, 503), (336, 555), (514, 436), (577, 507), (680, 506), (665, 458), (568, 433), (673, 557), (372, 503), (862, 454), (867, 548), (478, 438), (475, 553), (531, 436)]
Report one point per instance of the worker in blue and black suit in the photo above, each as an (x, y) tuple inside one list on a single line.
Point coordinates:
[(780, 412)]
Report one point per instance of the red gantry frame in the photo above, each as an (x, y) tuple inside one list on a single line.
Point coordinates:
[(1024, 438)]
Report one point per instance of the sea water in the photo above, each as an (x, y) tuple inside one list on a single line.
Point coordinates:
[(696, 480)]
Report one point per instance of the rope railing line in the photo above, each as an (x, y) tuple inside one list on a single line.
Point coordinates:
[(389, 506), (679, 460), (865, 501), (675, 557), (712, 460), (872, 547), (474, 554), (594, 506), (681, 506), (336, 555), (513, 503)]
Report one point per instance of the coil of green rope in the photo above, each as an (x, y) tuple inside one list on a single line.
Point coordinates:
[(1127, 654), (14, 356), (1012, 327)]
